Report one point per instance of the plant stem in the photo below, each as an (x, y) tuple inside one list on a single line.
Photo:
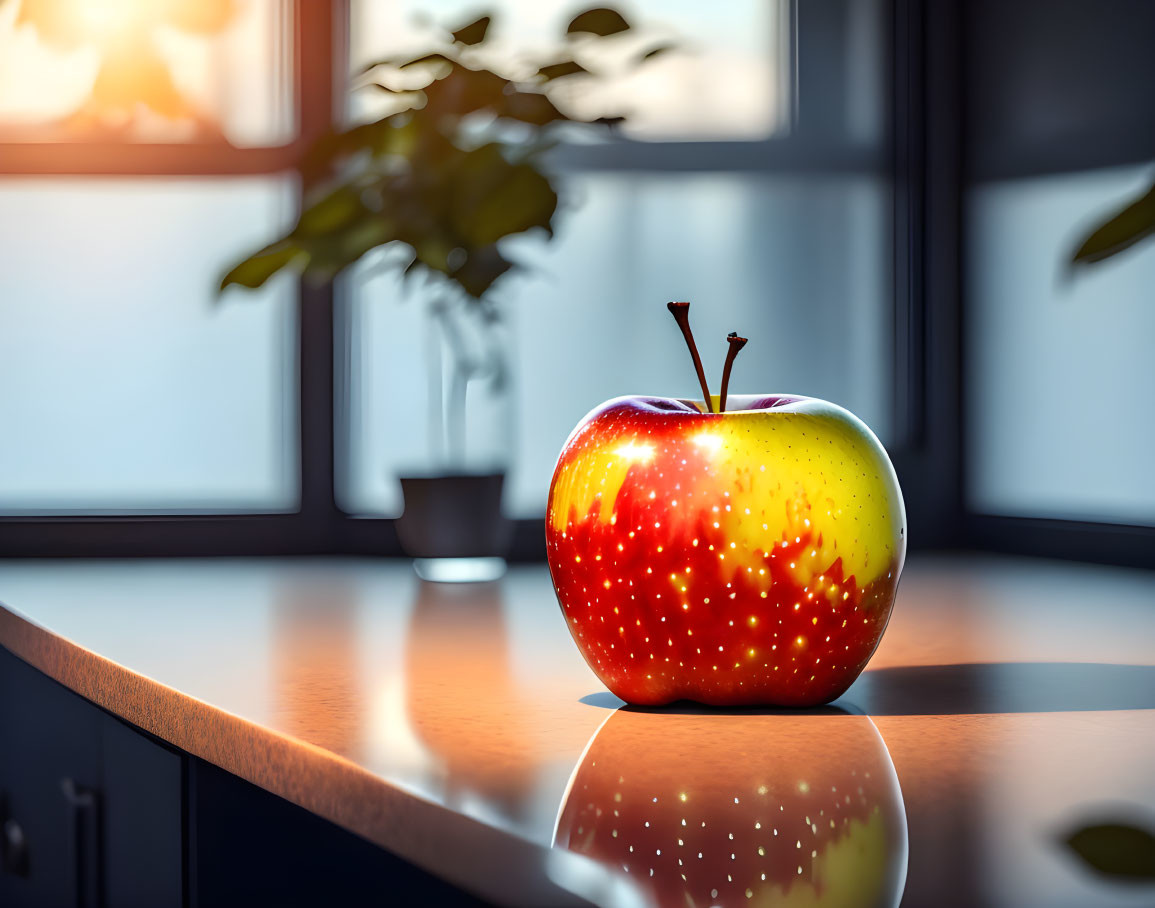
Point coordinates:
[(462, 369), (736, 344), (681, 313), (436, 414)]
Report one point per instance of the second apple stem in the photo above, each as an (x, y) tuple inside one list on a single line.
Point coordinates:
[(736, 343)]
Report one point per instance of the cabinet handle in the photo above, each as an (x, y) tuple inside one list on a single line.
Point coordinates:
[(13, 849), (84, 838)]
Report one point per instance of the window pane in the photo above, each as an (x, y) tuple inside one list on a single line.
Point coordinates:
[(1060, 378), (727, 79), (800, 265), (122, 385), (186, 70)]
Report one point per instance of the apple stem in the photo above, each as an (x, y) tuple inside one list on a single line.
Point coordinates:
[(681, 313), (736, 344)]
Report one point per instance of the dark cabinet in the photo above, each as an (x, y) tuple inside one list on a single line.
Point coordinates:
[(90, 810), (97, 814)]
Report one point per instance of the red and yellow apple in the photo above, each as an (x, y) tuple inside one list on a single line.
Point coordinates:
[(732, 558), (741, 809)]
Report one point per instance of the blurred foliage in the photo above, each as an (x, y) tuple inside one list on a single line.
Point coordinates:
[(1121, 230), (453, 171), (1116, 850)]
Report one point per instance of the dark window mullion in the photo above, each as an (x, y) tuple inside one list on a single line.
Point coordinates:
[(316, 90)]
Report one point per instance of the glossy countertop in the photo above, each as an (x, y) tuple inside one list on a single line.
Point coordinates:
[(1010, 702)]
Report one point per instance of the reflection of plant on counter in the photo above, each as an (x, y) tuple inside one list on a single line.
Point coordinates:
[(1116, 850), (453, 169)]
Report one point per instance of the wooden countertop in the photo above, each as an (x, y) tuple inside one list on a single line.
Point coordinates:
[(459, 727)]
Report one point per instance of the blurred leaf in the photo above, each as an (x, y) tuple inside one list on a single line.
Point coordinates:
[(331, 253), (531, 107), (392, 135), (434, 252), (261, 265), (464, 91), (482, 266), (601, 21), (331, 212), (1122, 230), (559, 70), (657, 52), (492, 198), (1116, 850), (473, 33)]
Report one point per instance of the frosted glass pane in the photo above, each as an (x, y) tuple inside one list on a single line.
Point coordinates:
[(727, 80), (1060, 375), (179, 71), (122, 385), (800, 265)]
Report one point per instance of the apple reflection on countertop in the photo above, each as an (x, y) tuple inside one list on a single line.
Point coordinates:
[(741, 808)]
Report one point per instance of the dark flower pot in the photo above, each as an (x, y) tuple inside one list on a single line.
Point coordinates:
[(453, 526)]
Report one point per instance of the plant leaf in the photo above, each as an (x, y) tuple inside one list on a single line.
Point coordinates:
[(335, 251), (601, 21), (1122, 230), (562, 69), (465, 90), (481, 268), (523, 200), (329, 213), (1116, 850), (261, 265), (656, 52), (531, 107), (473, 33)]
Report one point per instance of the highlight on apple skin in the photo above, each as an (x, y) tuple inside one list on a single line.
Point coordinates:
[(717, 809), (732, 558)]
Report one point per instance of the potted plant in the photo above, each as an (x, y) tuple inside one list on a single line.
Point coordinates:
[(454, 168)]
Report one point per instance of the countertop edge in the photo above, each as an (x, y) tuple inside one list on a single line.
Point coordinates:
[(330, 786)]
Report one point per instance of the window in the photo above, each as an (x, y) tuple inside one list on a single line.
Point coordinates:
[(189, 71), (124, 386), (1062, 375), (141, 148), (1059, 375)]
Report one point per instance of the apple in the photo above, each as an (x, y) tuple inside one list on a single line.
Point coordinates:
[(741, 809), (740, 557)]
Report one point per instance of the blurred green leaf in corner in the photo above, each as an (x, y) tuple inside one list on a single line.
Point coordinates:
[(1119, 851), (1121, 230)]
